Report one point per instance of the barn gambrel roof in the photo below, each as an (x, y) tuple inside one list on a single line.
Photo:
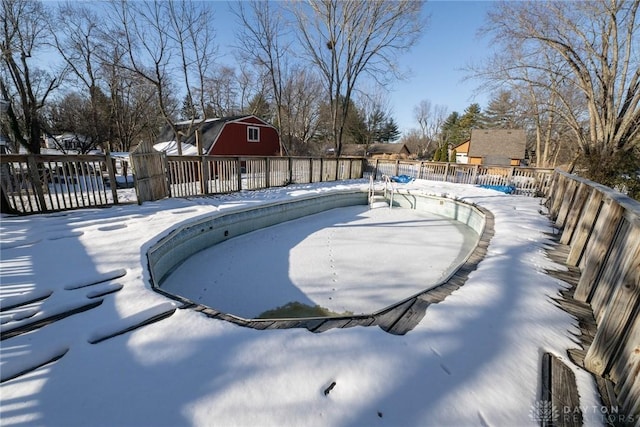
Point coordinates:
[(210, 129)]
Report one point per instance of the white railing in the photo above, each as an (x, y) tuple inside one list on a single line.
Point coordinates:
[(524, 180), (389, 187), (372, 189)]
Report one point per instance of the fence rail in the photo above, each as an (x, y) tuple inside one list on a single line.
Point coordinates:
[(523, 180)]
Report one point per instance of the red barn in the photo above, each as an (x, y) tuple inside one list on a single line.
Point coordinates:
[(245, 135)]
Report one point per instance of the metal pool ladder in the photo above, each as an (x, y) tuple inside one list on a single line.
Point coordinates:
[(381, 198)]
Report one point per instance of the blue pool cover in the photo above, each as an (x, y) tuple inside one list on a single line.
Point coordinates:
[(402, 179), (507, 189)]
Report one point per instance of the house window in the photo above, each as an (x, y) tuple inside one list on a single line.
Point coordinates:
[(253, 134)]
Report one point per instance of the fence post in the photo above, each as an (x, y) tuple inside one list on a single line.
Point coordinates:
[(397, 167), (310, 170), (167, 173), (290, 170), (474, 177), (36, 182), (239, 173), (112, 176), (267, 173), (446, 172), (204, 174)]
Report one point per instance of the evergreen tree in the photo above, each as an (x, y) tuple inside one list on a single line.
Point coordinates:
[(452, 159), (451, 129), (471, 119), (441, 153), (357, 128), (501, 112), (375, 127), (436, 155), (389, 131)]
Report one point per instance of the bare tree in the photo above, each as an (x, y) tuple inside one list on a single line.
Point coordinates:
[(430, 118), (193, 37), (348, 39), (220, 92), (301, 100), (549, 115), (164, 42), (592, 48), (261, 36), (140, 32), (415, 140), (25, 86), (134, 115), (78, 45), (250, 86), (549, 100)]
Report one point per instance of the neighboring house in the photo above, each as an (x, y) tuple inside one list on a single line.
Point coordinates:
[(245, 135), (500, 147), (66, 141), (391, 150), (462, 152)]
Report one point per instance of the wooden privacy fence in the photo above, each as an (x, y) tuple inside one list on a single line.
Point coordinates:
[(524, 180), (33, 183), (601, 229)]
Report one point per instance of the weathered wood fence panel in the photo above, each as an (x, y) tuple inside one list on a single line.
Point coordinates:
[(151, 173), (602, 229), (301, 170), (45, 183)]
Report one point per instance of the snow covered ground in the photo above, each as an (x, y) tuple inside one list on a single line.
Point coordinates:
[(473, 360)]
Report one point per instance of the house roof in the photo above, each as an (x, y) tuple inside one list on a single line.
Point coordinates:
[(210, 130), (392, 148), (354, 150), (460, 145), (498, 143), (171, 148), (364, 150)]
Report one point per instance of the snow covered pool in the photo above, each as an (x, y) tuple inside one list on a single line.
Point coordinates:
[(348, 259), (351, 259)]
